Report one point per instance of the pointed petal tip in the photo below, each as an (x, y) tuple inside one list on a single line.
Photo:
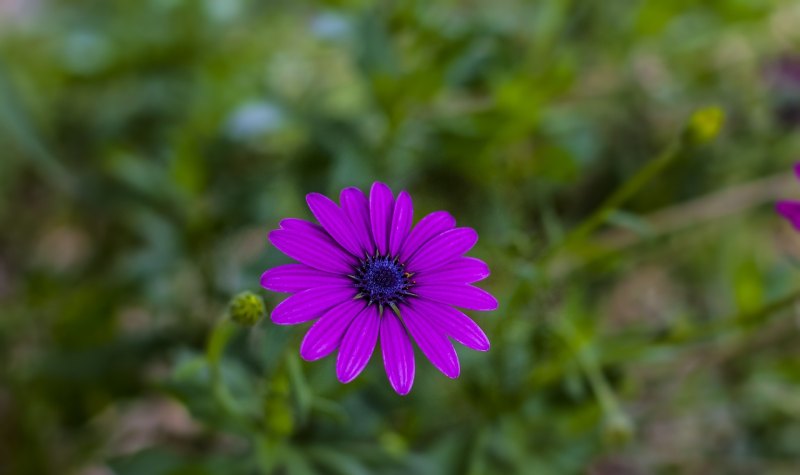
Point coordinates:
[(345, 377), (494, 304), (293, 223), (308, 351), (453, 374), (402, 390), (264, 279), (271, 236), (380, 184), (313, 197), (310, 355), (380, 189), (344, 369)]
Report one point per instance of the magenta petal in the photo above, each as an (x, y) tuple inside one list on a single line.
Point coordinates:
[(442, 249), (334, 221), (358, 344), (431, 341), (454, 323), (326, 334), (298, 277), (398, 354), (464, 296), (310, 304), (461, 270), (428, 227), (796, 168), (299, 225), (356, 207), (381, 203), (310, 245), (791, 211), (401, 222)]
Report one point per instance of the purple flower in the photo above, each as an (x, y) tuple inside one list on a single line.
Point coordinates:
[(364, 275), (791, 209)]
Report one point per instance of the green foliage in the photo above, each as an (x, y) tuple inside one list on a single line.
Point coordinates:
[(619, 160)]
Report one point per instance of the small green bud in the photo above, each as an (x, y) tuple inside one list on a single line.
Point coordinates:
[(246, 308), (704, 125)]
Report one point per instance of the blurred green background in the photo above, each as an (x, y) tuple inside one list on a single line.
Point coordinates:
[(146, 148)]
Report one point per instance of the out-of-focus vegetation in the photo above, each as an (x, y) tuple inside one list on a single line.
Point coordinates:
[(146, 147)]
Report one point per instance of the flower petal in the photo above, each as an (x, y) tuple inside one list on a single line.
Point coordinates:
[(299, 224), (398, 354), (454, 323), (402, 216), (381, 203), (335, 222), (310, 304), (358, 344), (791, 211), (310, 245), (356, 207), (428, 227), (326, 334), (298, 277), (431, 341), (457, 295), (461, 270), (442, 249)]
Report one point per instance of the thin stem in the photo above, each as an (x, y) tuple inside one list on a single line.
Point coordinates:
[(219, 338), (619, 197)]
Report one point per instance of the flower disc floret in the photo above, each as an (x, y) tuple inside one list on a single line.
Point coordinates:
[(382, 280)]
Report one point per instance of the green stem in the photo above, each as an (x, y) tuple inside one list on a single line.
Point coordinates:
[(219, 338), (702, 127), (646, 174)]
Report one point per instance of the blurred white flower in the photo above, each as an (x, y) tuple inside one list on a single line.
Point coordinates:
[(223, 10), (253, 119), (330, 26)]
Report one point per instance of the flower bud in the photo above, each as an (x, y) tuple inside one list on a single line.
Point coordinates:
[(704, 125), (246, 308)]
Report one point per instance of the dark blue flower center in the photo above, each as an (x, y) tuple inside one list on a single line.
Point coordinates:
[(382, 280)]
